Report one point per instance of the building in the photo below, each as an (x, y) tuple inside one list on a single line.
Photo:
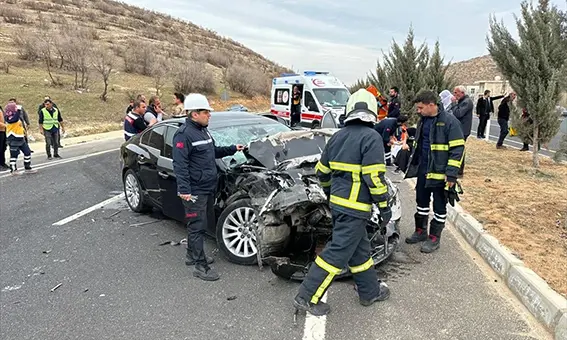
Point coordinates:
[(496, 87)]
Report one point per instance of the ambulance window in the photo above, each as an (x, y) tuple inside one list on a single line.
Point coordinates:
[(310, 102), (281, 97)]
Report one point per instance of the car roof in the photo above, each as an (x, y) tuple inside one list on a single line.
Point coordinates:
[(222, 118)]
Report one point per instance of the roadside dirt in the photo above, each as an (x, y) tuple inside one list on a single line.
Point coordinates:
[(526, 209)]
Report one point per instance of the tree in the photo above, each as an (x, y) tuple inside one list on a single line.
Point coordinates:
[(436, 76), (534, 64), (103, 61), (193, 76), (405, 67), (160, 69), (80, 49), (359, 84)]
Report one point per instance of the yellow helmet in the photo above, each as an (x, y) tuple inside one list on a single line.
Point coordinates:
[(362, 105)]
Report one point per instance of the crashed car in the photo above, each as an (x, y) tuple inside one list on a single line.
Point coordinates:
[(269, 206)]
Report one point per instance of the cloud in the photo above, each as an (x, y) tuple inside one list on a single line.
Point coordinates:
[(345, 38)]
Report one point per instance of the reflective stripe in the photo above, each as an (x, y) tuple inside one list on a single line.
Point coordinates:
[(456, 142), (377, 183), (439, 147), (332, 270), (202, 142), (325, 184), (368, 169), (363, 267), (454, 163), (345, 166), (355, 190), (348, 204), (379, 191), (383, 204), (322, 168), (440, 177)]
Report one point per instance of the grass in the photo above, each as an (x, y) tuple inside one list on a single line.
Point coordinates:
[(84, 113), (525, 208)]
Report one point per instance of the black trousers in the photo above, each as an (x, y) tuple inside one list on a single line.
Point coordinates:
[(51, 141), (388, 153), (503, 131), (423, 198), (462, 170), (402, 159), (197, 215), (483, 120), (15, 149), (349, 246), (2, 148)]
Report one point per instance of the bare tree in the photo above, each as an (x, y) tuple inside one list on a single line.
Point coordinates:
[(103, 62), (28, 45), (192, 76), (160, 69), (247, 81), (46, 54), (6, 63), (80, 49)]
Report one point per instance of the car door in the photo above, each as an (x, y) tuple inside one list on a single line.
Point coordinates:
[(153, 143), (172, 206)]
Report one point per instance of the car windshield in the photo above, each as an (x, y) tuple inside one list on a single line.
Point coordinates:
[(332, 97), (244, 134)]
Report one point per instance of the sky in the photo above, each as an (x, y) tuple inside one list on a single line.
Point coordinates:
[(345, 38)]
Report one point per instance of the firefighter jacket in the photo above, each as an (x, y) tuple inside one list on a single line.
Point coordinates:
[(194, 154), (351, 171), (446, 150)]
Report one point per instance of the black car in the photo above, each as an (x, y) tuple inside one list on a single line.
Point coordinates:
[(269, 206)]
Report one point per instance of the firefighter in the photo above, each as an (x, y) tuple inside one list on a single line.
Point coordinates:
[(194, 155), (435, 161), (351, 171)]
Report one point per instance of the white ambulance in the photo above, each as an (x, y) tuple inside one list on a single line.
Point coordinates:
[(321, 93)]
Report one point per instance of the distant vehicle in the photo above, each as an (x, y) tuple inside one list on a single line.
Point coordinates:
[(320, 92), (268, 204), (238, 107)]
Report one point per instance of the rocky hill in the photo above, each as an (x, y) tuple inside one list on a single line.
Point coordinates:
[(479, 68)]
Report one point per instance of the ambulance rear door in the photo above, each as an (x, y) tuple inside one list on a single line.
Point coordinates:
[(281, 100)]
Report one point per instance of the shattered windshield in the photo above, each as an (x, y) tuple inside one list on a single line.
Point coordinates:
[(244, 134), (332, 97)]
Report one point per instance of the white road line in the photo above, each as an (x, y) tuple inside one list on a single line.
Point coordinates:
[(88, 210), (68, 160), (315, 325)]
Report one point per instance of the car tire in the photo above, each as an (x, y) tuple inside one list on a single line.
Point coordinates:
[(235, 233), (315, 125), (134, 193)]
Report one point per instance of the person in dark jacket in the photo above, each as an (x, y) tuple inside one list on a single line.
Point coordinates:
[(504, 118), (462, 109), (394, 105), (134, 122), (351, 171), (435, 162), (295, 114), (194, 154), (387, 128), (484, 108)]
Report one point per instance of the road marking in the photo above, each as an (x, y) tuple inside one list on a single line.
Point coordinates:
[(88, 210), (315, 325), (68, 160), (505, 140)]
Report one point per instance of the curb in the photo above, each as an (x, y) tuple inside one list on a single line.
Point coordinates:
[(545, 304)]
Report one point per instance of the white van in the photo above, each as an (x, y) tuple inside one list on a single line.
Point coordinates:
[(320, 93)]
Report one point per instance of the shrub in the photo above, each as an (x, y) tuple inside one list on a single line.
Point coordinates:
[(193, 76), (13, 16), (218, 58), (28, 45), (247, 81)]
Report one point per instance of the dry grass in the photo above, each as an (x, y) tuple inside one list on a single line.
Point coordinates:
[(525, 209)]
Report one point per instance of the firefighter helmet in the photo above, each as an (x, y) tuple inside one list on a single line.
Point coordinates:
[(362, 105)]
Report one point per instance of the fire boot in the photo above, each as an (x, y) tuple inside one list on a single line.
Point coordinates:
[(420, 233), (432, 243), (317, 309), (382, 296)]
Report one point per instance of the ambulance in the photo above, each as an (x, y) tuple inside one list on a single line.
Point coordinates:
[(320, 91)]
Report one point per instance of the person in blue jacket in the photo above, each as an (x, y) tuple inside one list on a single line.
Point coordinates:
[(194, 155)]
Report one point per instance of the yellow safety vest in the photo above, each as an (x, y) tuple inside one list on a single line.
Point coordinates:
[(50, 121)]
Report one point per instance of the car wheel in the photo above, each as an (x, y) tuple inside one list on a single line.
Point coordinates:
[(236, 232), (134, 193), (315, 125)]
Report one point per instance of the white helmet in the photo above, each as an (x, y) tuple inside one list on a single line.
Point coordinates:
[(362, 105), (196, 101)]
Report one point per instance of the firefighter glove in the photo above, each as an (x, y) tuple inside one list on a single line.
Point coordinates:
[(385, 216), (452, 193)]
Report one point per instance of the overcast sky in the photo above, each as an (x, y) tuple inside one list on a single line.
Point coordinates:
[(343, 37)]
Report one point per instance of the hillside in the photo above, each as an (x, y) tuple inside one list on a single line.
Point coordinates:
[(66, 48), (468, 71)]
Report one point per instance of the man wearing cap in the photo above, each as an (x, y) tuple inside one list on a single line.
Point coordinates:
[(50, 121), (351, 171), (194, 154)]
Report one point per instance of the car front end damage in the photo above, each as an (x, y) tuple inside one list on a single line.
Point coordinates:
[(293, 218)]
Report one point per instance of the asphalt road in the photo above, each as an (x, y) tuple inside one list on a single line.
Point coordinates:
[(117, 282), (514, 142)]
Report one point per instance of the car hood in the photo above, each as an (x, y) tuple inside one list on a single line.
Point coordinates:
[(290, 147)]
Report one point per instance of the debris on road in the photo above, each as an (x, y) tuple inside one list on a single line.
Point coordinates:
[(46, 251), (54, 288), (174, 243), (154, 234), (86, 290), (143, 223), (11, 288), (102, 295), (114, 214), (230, 298)]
